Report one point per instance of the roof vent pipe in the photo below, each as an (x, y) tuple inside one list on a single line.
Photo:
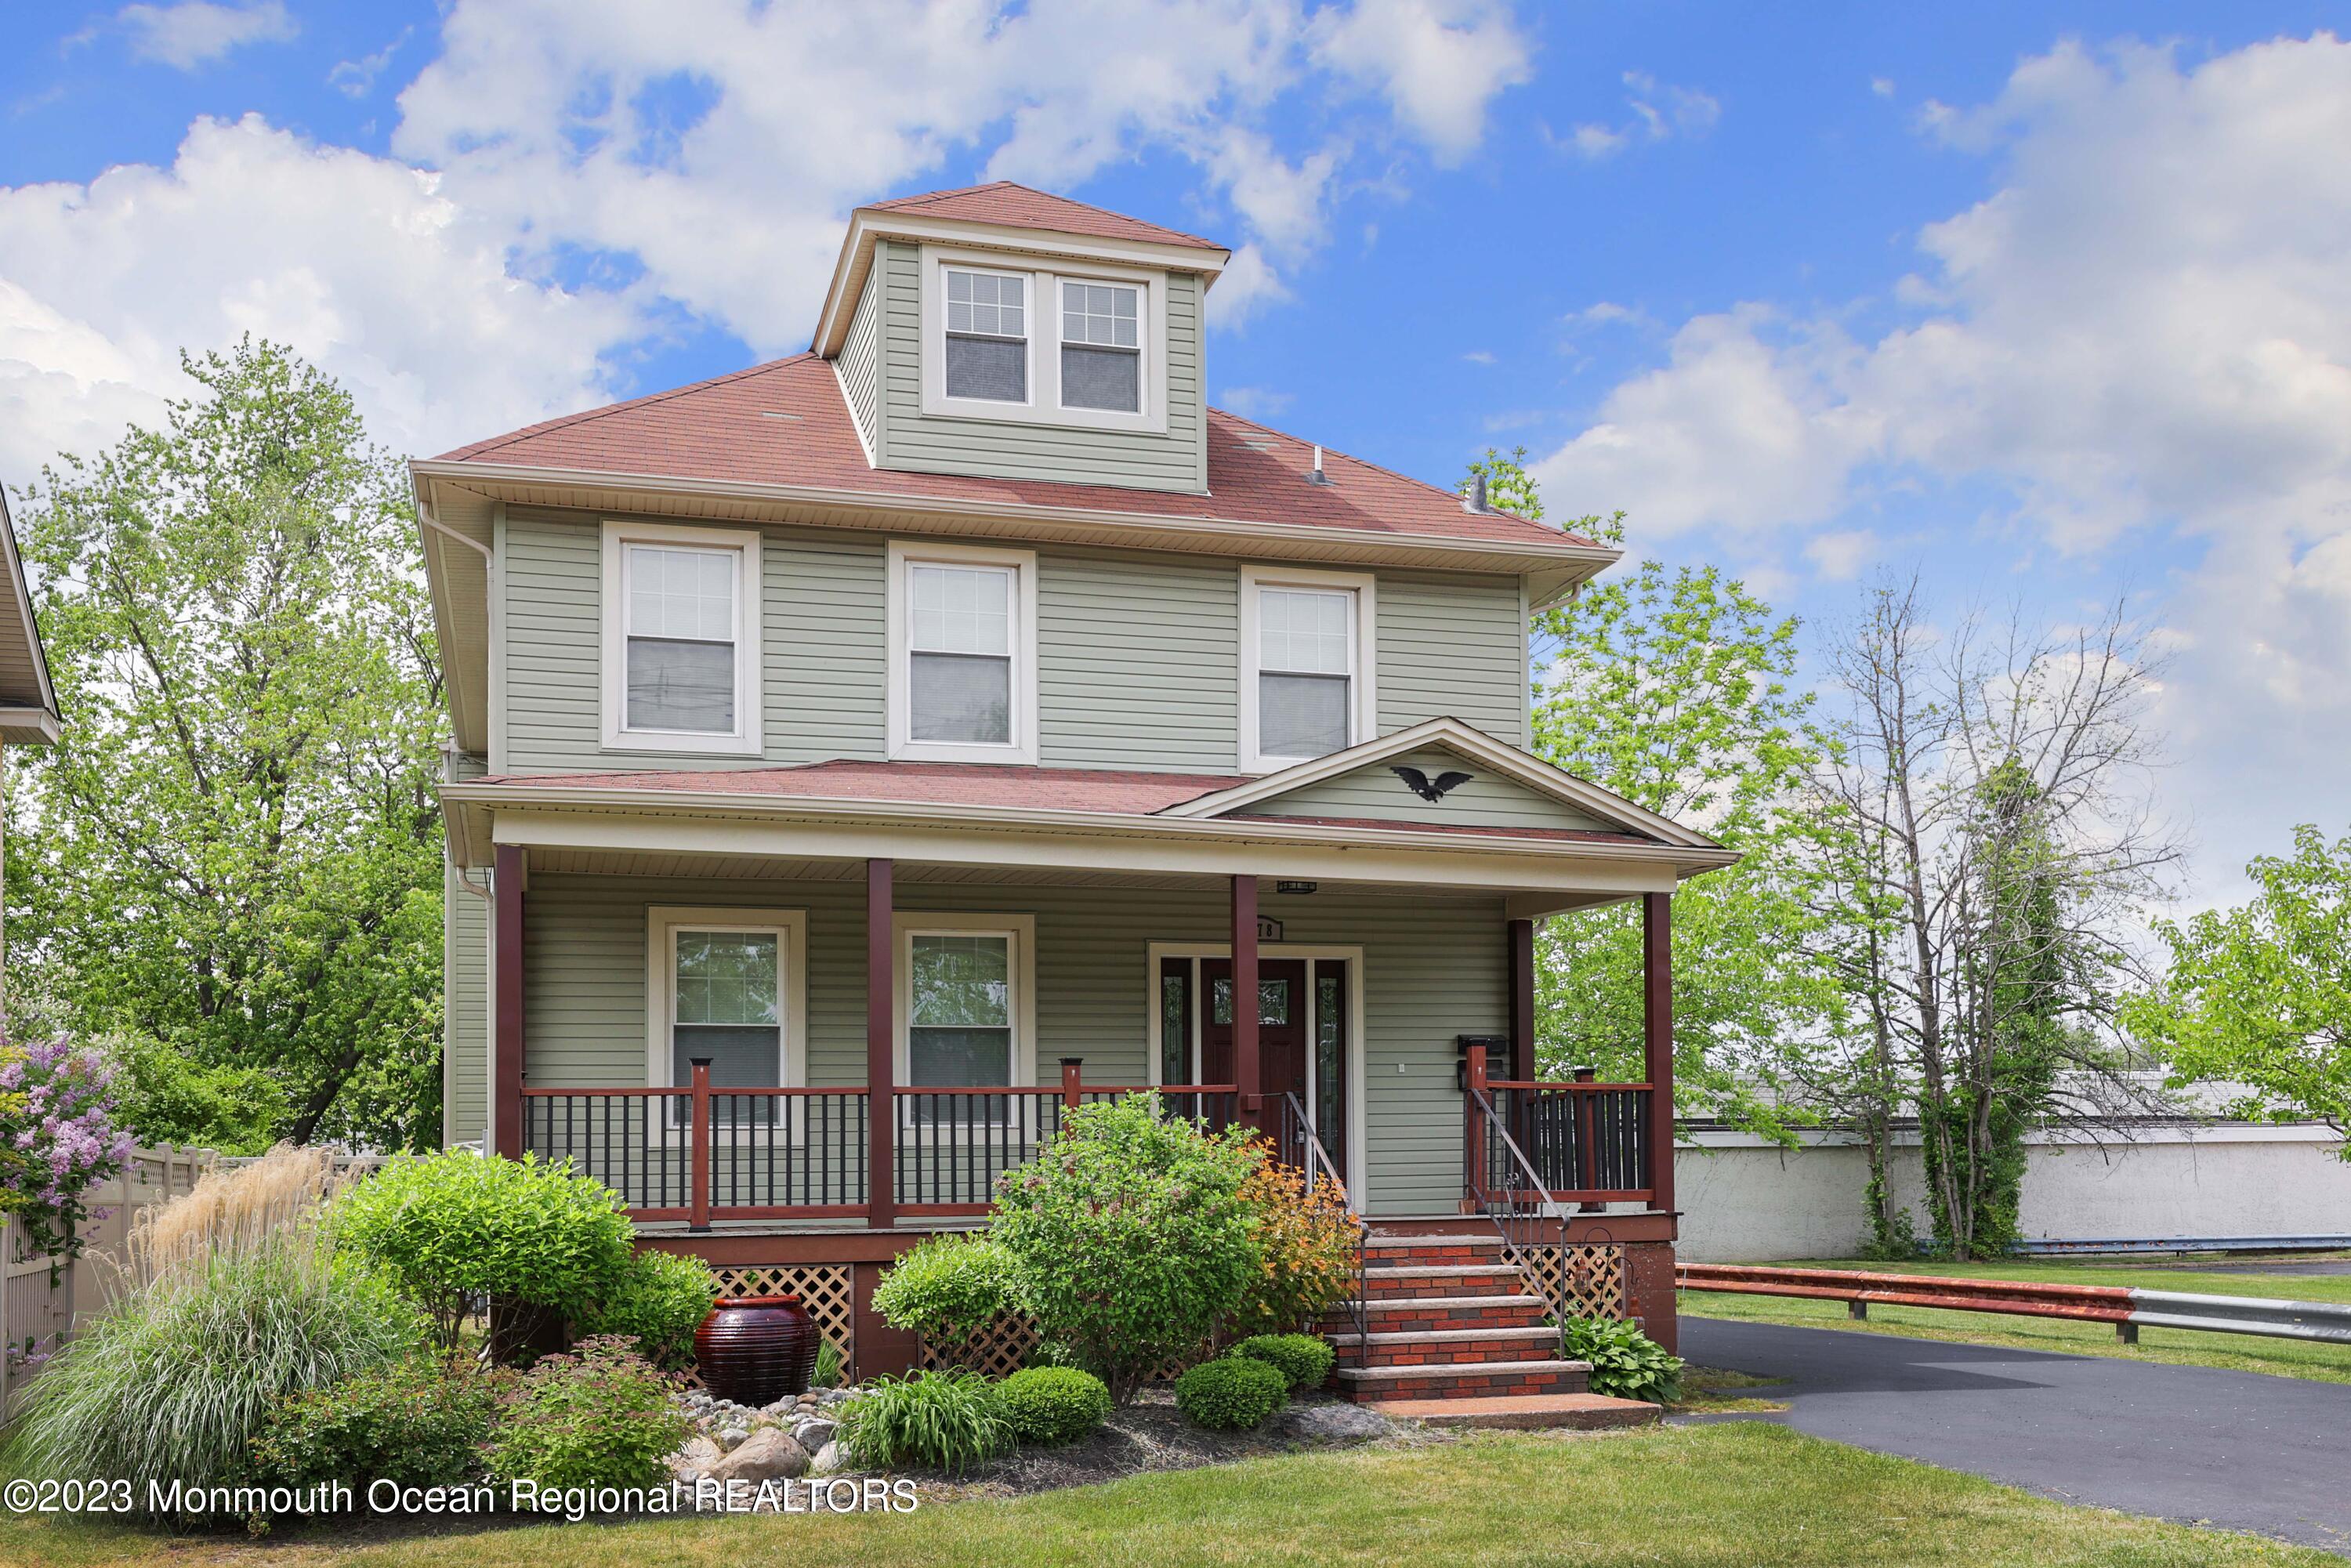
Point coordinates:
[(1475, 501), (1317, 477)]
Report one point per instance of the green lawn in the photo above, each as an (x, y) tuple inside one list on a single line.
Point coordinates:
[(1732, 1494), (2242, 1353)]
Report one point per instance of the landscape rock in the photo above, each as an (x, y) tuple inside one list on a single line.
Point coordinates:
[(767, 1455), (814, 1433), (694, 1461), (731, 1438), (831, 1460), (1333, 1422)]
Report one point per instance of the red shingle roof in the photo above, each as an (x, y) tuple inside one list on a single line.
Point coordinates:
[(1019, 207), (785, 422), (927, 783)]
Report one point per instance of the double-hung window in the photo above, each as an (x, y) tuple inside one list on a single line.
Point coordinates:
[(987, 335), (1306, 665), (1102, 349), (963, 654), (966, 989), (726, 986), (1080, 344), (681, 639)]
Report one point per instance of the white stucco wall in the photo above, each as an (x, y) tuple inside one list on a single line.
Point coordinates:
[(1742, 1200)]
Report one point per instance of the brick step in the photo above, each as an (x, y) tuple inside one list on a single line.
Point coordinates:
[(1522, 1412), (1450, 1347), (1403, 1314), (1460, 1380), (1425, 1279), (1385, 1251)]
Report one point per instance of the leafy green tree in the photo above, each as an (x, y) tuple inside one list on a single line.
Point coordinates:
[(235, 849), (2260, 997), (1676, 687)]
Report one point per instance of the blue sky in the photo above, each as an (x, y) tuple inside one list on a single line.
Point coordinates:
[(2045, 301)]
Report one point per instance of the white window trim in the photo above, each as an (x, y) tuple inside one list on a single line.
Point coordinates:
[(1157, 953), (748, 739), (1363, 716), (1022, 564), (1044, 403), (790, 926), (905, 924)]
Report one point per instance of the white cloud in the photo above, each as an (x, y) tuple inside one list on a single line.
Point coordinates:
[(1840, 554), (1247, 286), (361, 263), (1440, 62), (1255, 402), (356, 79), (1658, 112), (2145, 330), (1480, 357), (196, 32)]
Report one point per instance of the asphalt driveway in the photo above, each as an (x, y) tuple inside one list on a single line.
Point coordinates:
[(2195, 1444)]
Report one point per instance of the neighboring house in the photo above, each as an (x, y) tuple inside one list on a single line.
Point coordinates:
[(28, 704), (939, 726)]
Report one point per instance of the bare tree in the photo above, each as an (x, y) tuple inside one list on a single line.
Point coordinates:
[(1994, 784)]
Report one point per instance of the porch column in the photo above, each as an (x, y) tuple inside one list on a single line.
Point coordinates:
[(881, 1047), (1521, 943), (1245, 1073), (1657, 1044), (506, 992)]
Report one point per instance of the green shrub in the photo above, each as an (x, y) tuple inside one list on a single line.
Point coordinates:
[(415, 1422), (947, 1420), (598, 1417), (1625, 1363), (447, 1227), (174, 1381), (659, 1300), (1232, 1391), (947, 1285), (829, 1371), (1053, 1404), (1130, 1240), (1302, 1358)]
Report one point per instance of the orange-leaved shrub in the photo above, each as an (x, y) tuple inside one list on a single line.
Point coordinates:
[(1306, 1244)]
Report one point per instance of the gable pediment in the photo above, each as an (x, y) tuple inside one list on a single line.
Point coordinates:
[(1443, 774)]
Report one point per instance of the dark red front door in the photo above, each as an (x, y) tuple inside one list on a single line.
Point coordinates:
[(1282, 1025)]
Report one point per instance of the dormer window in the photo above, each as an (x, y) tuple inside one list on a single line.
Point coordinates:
[(987, 336), (1077, 343), (1101, 355)]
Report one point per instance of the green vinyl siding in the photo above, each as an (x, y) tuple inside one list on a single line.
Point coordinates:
[(1432, 969), (1138, 661), (1375, 792), (464, 1013), (1176, 459), (859, 365), (1453, 646)]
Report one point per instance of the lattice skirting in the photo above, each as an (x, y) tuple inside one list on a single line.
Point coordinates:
[(828, 1291), (1579, 1281), (1003, 1348)]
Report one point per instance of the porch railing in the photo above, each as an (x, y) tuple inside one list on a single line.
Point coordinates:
[(1579, 1141), (700, 1152), (1296, 1143)]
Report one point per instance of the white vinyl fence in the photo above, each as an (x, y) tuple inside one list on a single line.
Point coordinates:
[(41, 1298)]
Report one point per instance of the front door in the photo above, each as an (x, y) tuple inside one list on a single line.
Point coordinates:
[(1282, 1036), (1301, 1034)]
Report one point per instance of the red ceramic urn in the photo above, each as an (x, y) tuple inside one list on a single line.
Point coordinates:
[(754, 1350)]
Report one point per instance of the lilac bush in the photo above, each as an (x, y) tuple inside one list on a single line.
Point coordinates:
[(57, 1140)]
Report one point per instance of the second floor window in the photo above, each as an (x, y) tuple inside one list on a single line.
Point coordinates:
[(963, 654), (681, 639), (987, 336), (1306, 665)]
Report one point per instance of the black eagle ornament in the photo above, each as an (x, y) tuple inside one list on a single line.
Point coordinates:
[(1419, 783)]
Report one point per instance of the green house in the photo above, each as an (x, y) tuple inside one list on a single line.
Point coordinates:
[(865, 756)]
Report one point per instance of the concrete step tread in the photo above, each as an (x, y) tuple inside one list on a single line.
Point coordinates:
[(1440, 1336), (1523, 1411), (1434, 1270), (1377, 1242), (1459, 1369), (1447, 1303)]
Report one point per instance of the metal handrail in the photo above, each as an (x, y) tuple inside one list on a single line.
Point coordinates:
[(1359, 1310), (1526, 1213)]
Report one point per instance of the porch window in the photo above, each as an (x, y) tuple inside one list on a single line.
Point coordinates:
[(681, 639), (987, 336), (959, 1025), (963, 654), (726, 985), (1306, 668)]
